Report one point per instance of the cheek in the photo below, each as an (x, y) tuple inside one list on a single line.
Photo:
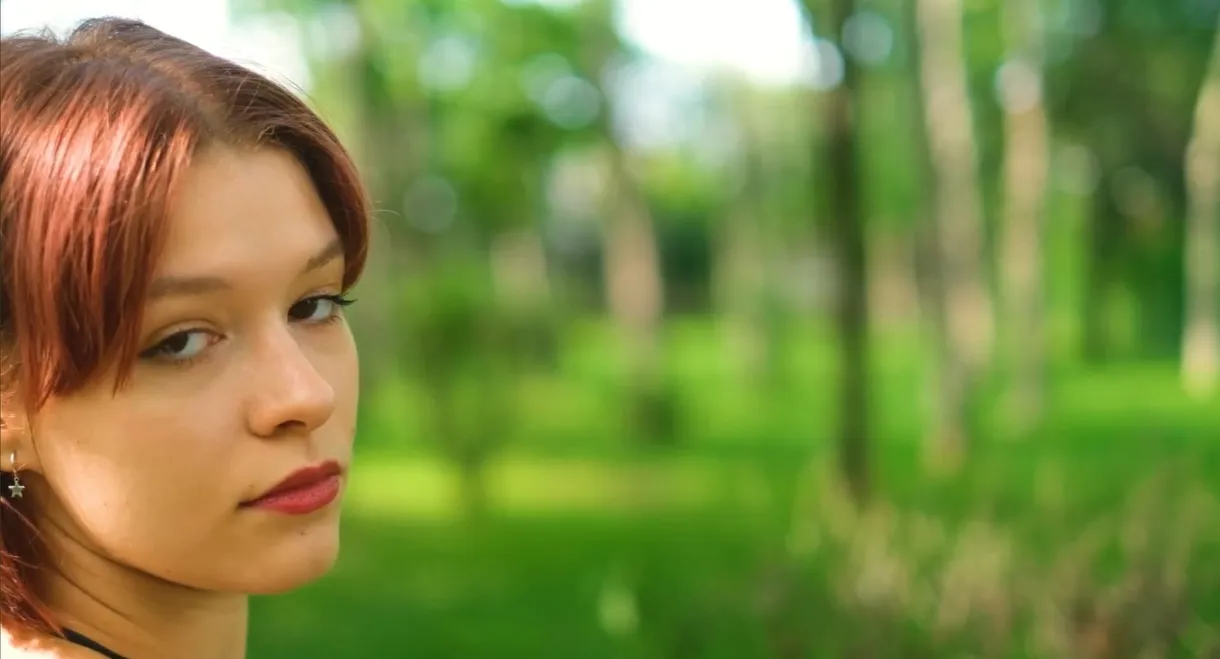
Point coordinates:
[(342, 370), (351, 387), (125, 473)]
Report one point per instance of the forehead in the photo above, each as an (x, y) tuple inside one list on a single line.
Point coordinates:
[(244, 209)]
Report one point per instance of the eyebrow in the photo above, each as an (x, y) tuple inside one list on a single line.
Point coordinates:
[(170, 286)]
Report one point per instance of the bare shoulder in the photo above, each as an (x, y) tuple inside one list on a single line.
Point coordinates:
[(41, 647)]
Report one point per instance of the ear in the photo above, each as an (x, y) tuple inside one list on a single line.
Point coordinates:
[(16, 436)]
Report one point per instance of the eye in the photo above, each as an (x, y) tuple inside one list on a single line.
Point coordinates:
[(319, 308), (181, 347)]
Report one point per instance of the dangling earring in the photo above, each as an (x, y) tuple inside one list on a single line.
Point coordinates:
[(16, 490)]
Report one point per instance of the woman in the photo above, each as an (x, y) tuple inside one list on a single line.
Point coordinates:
[(179, 381)]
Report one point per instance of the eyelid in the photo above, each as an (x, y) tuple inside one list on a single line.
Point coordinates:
[(213, 338), (160, 336), (338, 300), (333, 293)]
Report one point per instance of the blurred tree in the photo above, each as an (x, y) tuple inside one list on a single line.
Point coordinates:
[(635, 294), (745, 247), (1026, 164), (464, 358), (928, 266), (837, 153), (631, 257), (763, 230), (959, 288), (942, 393), (493, 75), (1201, 345), (390, 137), (1123, 83)]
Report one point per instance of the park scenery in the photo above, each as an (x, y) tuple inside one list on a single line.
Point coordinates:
[(913, 352)]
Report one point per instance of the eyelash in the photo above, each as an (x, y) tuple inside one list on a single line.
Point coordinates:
[(151, 354)]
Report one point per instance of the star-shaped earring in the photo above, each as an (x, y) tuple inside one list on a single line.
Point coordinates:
[(16, 490)]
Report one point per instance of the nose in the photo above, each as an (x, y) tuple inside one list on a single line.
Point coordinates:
[(287, 391)]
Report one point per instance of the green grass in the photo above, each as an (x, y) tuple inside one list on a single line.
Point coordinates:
[(594, 548)]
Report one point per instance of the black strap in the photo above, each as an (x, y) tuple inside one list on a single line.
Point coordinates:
[(85, 641)]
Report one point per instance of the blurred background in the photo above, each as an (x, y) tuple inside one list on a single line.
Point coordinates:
[(766, 329)]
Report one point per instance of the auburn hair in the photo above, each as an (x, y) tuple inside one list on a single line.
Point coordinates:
[(98, 128)]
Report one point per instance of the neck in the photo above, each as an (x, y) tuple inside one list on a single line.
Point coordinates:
[(136, 614)]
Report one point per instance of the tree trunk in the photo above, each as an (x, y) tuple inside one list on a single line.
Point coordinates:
[(1026, 145), (739, 269), (1201, 343), (965, 303), (837, 157), (392, 147), (631, 259), (1103, 274), (741, 264), (633, 273), (928, 267), (634, 290)]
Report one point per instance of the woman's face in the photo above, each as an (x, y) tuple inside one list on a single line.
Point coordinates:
[(248, 373)]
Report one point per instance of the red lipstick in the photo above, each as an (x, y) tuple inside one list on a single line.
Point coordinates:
[(303, 491)]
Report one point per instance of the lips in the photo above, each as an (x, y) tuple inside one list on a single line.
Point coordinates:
[(300, 482)]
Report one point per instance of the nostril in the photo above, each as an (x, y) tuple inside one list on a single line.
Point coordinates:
[(291, 425)]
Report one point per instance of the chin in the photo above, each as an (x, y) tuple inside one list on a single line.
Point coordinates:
[(295, 560)]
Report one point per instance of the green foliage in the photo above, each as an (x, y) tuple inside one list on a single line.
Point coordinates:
[(458, 344), (727, 543)]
